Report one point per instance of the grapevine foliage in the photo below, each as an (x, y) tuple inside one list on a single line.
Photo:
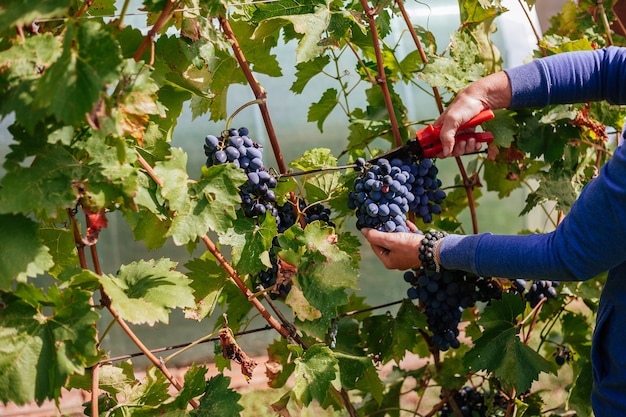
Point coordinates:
[(91, 105)]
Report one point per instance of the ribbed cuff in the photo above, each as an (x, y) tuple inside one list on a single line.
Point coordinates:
[(456, 252)]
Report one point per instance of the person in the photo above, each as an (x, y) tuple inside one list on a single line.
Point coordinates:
[(586, 243)]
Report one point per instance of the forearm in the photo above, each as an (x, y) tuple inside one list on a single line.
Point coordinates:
[(588, 242), (572, 77)]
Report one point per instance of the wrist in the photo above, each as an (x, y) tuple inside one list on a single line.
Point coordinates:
[(429, 250)]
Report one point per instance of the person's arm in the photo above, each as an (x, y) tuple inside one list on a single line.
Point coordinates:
[(571, 77), (589, 241)]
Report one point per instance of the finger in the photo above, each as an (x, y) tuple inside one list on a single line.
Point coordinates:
[(375, 237), (470, 146), (383, 254), (459, 148), (412, 227)]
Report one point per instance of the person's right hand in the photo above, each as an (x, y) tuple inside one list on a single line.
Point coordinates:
[(491, 92)]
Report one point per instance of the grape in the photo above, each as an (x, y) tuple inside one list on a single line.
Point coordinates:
[(540, 290), (472, 402), (563, 355), (395, 187), (211, 141), (443, 295), (234, 146), (287, 217)]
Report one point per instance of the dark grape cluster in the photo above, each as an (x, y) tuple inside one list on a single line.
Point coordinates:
[(287, 217), (563, 354), (426, 190), (234, 146), (539, 290), (473, 402), (267, 278), (444, 295), (385, 190)]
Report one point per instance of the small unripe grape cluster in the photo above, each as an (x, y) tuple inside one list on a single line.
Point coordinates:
[(234, 146)]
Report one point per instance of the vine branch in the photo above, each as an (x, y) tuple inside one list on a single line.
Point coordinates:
[(381, 80)]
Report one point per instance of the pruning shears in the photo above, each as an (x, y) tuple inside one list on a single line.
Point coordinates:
[(426, 143)]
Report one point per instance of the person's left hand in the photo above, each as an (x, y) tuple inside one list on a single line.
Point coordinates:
[(395, 250)]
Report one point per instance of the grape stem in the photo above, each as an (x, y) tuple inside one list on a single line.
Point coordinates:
[(314, 171), (230, 119)]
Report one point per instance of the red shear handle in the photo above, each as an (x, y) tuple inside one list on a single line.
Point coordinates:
[(430, 134), (434, 150)]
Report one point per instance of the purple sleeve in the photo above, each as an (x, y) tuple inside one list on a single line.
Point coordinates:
[(571, 77), (589, 241)]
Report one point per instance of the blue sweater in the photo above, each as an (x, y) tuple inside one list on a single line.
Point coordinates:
[(589, 240)]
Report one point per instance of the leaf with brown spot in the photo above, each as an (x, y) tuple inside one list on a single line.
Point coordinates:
[(232, 351), (285, 274)]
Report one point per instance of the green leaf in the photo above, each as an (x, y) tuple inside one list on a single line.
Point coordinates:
[(284, 8), (251, 239), (500, 351), (145, 397), (582, 387), (324, 271), (38, 352), (323, 185), (23, 253), (315, 374), (502, 314), (90, 61), (453, 73), (219, 400), (314, 159), (305, 71), (109, 173), (354, 369), (45, 186), (503, 127), (257, 51), (173, 174), (117, 378), (145, 291), (220, 185), (226, 72), (390, 338), (213, 205), (547, 137), (279, 365), (195, 385), (61, 244), (208, 279), (23, 12), (309, 20), (556, 185), (510, 360), (318, 112)]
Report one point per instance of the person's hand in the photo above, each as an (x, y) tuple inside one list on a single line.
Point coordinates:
[(491, 92), (459, 112), (395, 250)]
